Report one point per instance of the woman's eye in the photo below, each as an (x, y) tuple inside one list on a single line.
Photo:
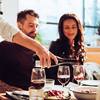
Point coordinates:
[(70, 27)]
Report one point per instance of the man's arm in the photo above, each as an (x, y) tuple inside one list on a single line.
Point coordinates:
[(44, 55), (10, 33)]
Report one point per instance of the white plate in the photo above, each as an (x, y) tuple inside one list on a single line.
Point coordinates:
[(66, 94), (85, 92), (18, 95), (90, 82)]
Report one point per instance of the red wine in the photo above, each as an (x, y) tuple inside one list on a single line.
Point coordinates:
[(63, 79), (37, 84)]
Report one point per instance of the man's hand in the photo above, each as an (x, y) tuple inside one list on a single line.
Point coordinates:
[(45, 57)]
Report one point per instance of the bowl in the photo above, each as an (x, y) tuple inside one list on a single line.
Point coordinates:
[(90, 83), (84, 92)]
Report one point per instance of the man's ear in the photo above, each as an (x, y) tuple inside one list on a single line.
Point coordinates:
[(19, 25)]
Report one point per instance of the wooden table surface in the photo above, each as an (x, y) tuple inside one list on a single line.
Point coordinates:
[(5, 87)]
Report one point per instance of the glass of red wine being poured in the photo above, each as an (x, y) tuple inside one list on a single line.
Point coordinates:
[(63, 74), (38, 78)]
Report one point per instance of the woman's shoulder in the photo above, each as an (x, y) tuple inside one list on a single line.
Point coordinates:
[(56, 43)]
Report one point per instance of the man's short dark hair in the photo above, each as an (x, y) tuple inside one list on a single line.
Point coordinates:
[(21, 16)]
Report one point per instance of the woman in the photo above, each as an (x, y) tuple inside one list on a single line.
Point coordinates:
[(69, 45)]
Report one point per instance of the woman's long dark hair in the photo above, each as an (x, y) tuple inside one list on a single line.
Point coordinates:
[(78, 41)]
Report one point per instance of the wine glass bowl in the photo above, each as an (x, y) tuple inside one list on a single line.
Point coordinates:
[(78, 72), (38, 78), (63, 74)]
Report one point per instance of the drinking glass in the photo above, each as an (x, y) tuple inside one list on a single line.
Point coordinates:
[(38, 78), (79, 73), (63, 74)]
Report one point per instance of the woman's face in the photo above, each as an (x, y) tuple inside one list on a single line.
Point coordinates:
[(70, 28)]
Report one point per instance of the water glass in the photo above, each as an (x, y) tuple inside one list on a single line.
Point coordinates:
[(49, 84), (35, 94)]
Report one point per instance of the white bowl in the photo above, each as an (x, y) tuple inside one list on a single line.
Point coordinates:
[(90, 82), (85, 92)]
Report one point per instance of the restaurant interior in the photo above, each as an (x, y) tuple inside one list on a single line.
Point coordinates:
[(50, 11)]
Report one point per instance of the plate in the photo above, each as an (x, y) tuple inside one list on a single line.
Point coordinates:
[(17, 95), (84, 92), (57, 92), (90, 82), (56, 95)]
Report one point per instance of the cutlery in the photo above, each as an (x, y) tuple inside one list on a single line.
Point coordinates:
[(16, 96), (20, 93)]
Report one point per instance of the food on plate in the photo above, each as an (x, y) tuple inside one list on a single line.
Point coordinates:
[(56, 94)]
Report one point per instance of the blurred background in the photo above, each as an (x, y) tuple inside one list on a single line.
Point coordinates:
[(50, 12)]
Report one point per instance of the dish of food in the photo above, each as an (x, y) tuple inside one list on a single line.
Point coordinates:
[(85, 92), (56, 95)]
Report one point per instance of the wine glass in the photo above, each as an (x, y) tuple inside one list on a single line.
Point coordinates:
[(63, 74), (78, 72), (38, 78)]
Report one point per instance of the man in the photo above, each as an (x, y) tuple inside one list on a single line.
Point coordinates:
[(28, 21), (10, 33), (17, 61)]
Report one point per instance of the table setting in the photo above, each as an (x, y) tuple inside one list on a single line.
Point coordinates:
[(42, 88), (72, 92)]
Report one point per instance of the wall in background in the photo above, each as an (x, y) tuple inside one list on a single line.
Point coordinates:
[(10, 9)]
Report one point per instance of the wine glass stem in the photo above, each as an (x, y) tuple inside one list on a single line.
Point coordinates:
[(63, 85), (79, 82)]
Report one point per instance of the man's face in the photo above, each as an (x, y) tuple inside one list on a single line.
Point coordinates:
[(29, 26)]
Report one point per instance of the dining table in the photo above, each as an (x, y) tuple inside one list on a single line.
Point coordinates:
[(8, 88), (4, 88)]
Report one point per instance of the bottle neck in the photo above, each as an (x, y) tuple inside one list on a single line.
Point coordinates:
[(37, 63)]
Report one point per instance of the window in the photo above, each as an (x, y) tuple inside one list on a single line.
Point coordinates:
[(91, 21)]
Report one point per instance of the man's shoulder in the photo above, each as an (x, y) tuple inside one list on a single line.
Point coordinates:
[(6, 44)]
